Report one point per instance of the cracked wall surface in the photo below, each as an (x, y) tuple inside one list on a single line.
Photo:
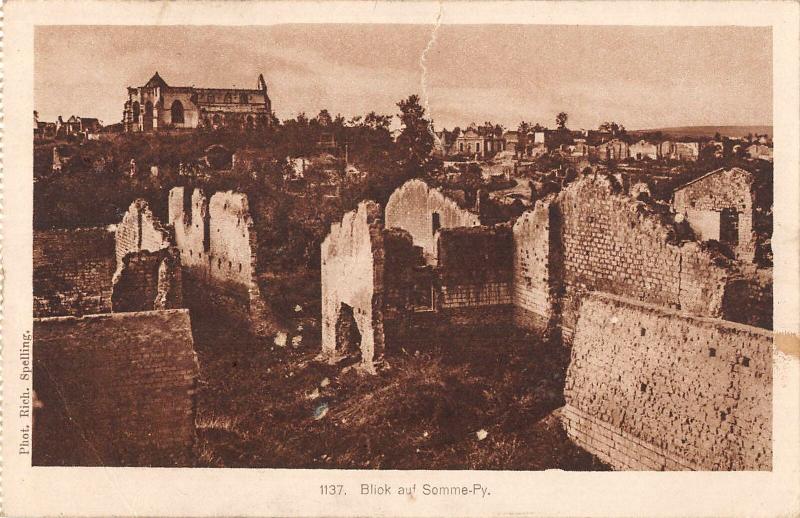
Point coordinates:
[(217, 242), (650, 388), (114, 389), (352, 257), (596, 238)]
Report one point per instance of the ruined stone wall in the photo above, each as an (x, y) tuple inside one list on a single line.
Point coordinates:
[(140, 230), (412, 206), (115, 390), (703, 201), (474, 273), (72, 271), (352, 270), (535, 288), (600, 239), (217, 243), (650, 388), (146, 280)]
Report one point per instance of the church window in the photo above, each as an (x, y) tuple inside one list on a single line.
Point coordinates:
[(243, 98), (227, 98), (177, 112), (135, 111)]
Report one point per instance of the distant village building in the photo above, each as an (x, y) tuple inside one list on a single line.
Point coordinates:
[(683, 151), (760, 152), (156, 106), (613, 150), (643, 149), (77, 126), (478, 141)]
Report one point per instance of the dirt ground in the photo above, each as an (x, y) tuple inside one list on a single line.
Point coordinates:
[(475, 402)]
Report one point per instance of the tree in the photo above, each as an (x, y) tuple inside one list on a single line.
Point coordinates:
[(561, 120), (324, 118), (415, 142)]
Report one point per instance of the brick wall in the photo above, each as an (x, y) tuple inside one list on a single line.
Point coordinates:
[(474, 270), (599, 239), (217, 242), (411, 208), (72, 271), (652, 388), (703, 200), (140, 230), (147, 280), (115, 390)]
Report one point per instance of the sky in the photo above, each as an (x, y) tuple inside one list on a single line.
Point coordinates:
[(641, 77)]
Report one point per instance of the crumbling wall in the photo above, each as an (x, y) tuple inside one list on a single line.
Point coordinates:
[(217, 242), (72, 271), (422, 210), (654, 389), (535, 285), (146, 280), (114, 390), (140, 230), (599, 239), (704, 200), (474, 274), (352, 272)]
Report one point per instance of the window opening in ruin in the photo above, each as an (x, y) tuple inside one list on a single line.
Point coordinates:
[(712, 352), (729, 227), (148, 116), (436, 222), (187, 206), (177, 112), (348, 337), (746, 361), (207, 231), (643, 387), (136, 111)]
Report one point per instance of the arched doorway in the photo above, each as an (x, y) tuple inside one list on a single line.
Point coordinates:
[(148, 116), (177, 112), (348, 337)]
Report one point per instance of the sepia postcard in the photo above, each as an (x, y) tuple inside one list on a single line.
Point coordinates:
[(401, 258)]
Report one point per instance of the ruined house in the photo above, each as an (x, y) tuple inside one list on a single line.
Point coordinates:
[(422, 211), (614, 149), (720, 206), (643, 150)]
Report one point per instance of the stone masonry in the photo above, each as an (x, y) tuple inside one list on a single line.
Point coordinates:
[(217, 242), (421, 210), (114, 389), (719, 205), (148, 274), (649, 388), (72, 271), (593, 237), (352, 285)]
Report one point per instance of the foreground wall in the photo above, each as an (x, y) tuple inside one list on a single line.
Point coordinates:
[(413, 207), (72, 271), (652, 389), (114, 390), (217, 243)]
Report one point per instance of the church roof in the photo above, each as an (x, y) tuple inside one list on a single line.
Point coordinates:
[(155, 81)]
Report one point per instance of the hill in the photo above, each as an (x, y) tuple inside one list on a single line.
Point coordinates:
[(708, 131)]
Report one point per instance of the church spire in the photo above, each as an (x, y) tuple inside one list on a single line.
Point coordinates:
[(262, 85)]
